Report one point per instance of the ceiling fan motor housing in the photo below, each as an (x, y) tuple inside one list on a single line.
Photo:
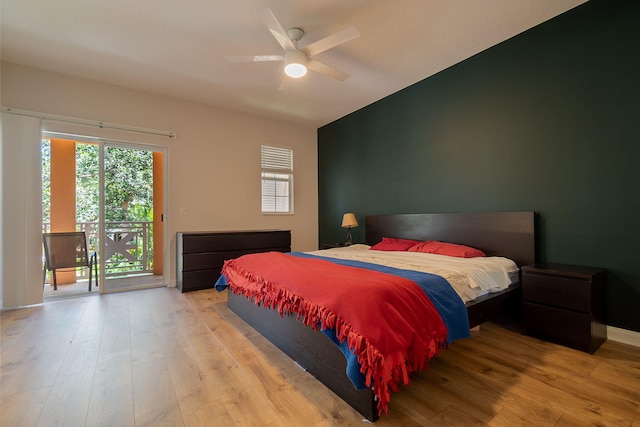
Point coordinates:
[(295, 34)]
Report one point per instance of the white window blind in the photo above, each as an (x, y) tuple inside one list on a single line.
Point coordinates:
[(277, 179)]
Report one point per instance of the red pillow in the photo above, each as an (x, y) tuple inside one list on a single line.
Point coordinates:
[(443, 248), (393, 244)]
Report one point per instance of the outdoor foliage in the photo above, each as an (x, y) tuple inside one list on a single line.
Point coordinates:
[(128, 183), (87, 183)]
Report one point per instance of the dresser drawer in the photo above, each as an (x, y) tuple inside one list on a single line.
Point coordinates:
[(200, 279), (564, 327), (207, 260), (277, 239), (566, 292), (280, 249), (208, 243)]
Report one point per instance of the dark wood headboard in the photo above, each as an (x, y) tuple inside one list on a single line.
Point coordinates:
[(507, 234)]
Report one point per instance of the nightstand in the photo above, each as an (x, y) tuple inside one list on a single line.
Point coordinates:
[(565, 304)]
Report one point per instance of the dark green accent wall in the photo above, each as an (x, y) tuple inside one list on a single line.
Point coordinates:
[(548, 121)]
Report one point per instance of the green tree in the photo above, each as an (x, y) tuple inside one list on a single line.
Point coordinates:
[(128, 185), (87, 182)]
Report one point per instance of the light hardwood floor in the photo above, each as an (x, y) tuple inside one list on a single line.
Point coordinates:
[(158, 357)]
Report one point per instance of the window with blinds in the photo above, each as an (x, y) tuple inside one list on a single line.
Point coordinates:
[(277, 179)]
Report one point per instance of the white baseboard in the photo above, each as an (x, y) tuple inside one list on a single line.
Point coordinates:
[(624, 336)]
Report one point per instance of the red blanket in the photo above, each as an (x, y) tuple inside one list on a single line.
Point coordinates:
[(389, 322)]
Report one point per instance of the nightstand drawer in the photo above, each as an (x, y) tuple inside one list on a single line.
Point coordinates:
[(557, 325), (569, 293)]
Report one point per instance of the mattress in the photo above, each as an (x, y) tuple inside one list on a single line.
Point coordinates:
[(469, 277)]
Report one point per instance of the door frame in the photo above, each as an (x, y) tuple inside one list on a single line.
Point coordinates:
[(102, 142)]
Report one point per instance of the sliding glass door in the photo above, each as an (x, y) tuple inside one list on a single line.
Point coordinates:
[(132, 245), (116, 197)]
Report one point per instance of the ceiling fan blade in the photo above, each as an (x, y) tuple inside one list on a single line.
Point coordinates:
[(330, 41), (327, 70), (279, 33), (284, 83), (254, 58)]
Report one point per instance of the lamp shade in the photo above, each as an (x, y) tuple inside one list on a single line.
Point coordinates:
[(349, 220)]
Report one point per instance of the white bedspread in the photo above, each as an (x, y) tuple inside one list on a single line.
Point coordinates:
[(470, 277)]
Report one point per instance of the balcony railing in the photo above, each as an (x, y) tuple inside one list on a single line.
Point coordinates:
[(128, 247)]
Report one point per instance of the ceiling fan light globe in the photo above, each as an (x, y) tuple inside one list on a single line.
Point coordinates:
[(295, 70), (295, 63)]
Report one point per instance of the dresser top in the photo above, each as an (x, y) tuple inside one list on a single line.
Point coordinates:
[(562, 269), (205, 233)]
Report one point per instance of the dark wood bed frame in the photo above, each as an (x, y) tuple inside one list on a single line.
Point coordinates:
[(508, 234)]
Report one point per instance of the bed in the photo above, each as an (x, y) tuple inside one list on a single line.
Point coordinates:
[(497, 234)]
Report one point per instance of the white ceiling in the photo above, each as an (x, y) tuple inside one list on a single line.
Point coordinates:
[(177, 47)]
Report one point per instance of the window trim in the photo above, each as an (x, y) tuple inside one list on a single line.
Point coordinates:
[(276, 161)]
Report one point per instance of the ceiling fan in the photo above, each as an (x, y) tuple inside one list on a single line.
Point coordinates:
[(298, 60)]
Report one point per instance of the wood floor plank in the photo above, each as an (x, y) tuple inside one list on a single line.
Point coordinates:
[(288, 400), (551, 381), (619, 376), (115, 335), (22, 409), (455, 416), (92, 323), (68, 400), (460, 386), (36, 371), (238, 328), (159, 357), (112, 399), (592, 418), (155, 399), (211, 414), (193, 387), (550, 389)]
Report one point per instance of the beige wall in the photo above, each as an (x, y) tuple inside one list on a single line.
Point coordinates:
[(213, 165)]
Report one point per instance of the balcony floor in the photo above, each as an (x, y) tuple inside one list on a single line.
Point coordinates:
[(81, 287)]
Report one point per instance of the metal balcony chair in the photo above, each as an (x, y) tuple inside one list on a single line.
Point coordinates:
[(67, 251)]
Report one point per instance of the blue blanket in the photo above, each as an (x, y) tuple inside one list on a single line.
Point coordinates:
[(442, 295)]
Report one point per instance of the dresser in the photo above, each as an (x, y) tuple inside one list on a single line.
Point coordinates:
[(565, 304), (201, 255)]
